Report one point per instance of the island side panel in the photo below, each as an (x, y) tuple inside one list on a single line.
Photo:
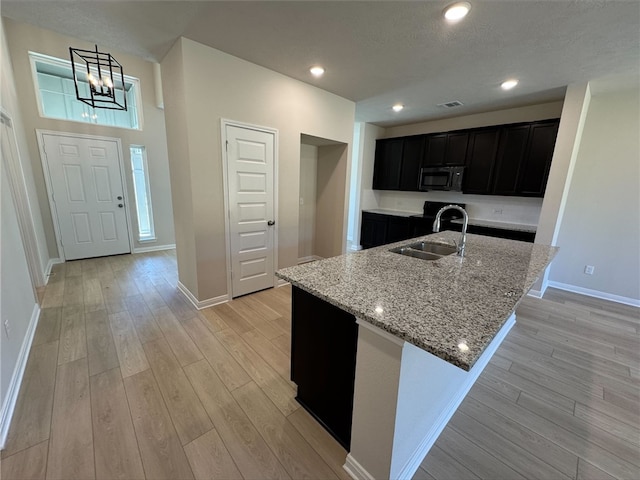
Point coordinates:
[(323, 362), (375, 400)]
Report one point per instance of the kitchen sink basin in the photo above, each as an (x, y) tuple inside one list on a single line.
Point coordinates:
[(425, 250)]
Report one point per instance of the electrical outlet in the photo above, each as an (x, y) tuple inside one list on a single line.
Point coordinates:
[(301, 201), (7, 329), (588, 269), (497, 211)]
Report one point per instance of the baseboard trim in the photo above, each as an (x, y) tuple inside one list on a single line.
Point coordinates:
[(155, 248), (535, 293), (50, 264), (201, 304), (355, 470), (634, 302), (281, 283), (9, 402)]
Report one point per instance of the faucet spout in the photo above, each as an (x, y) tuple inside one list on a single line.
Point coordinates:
[(463, 238)]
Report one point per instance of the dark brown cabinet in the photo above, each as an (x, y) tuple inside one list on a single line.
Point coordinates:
[(513, 145), (480, 161), (373, 231), (537, 162), (379, 229), (445, 149), (524, 158), (411, 159), (388, 161), (324, 341), (503, 160)]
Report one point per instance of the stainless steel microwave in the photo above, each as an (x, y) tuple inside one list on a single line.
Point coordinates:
[(441, 178)]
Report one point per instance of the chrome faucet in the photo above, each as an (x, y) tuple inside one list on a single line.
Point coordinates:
[(463, 239)]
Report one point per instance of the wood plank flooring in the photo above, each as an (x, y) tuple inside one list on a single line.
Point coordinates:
[(126, 380)]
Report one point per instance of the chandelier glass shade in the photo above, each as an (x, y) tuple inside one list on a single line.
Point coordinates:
[(98, 79)]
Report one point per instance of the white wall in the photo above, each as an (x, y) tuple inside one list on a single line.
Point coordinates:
[(203, 85), (307, 221), (17, 300), (11, 106), (23, 38), (601, 222)]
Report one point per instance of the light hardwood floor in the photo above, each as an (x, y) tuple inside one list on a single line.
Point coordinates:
[(127, 380)]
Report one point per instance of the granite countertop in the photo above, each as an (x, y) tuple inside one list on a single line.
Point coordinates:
[(435, 305), (520, 227), (395, 213)]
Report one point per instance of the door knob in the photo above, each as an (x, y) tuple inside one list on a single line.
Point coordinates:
[(271, 222), (119, 197), (120, 205)]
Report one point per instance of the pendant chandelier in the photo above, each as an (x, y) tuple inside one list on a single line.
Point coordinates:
[(98, 79)]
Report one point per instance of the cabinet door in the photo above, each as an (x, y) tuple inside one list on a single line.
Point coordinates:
[(397, 229), (373, 231), (435, 146), (411, 160), (480, 161), (456, 150), (511, 151), (324, 341), (535, 169), (388, 159)]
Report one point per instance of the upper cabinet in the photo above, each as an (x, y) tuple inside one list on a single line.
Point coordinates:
[(501, 160), (480, 161), (386, 170), (410, 166), (524, 158), (537, 161), (445, 149), (397, 163)]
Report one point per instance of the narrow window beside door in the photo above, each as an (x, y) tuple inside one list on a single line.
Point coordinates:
[(140, 171)]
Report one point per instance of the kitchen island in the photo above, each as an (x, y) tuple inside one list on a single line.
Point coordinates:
[(425, 330)]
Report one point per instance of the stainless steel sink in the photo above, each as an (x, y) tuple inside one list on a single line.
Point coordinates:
[(425, 250), (437, 248)]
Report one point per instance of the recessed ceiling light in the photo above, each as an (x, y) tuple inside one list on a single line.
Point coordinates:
[(316, 71), (397, 107), (457, 11), (509, 84)]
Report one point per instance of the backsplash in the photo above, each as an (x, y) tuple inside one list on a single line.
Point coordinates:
[(485, 207)]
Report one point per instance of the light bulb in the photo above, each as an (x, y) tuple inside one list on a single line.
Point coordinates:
[(509, 84), (457, 11), (397, 107), (317, 71)]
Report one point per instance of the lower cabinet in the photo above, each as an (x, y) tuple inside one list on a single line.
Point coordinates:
[(324, 341), (379, 229)]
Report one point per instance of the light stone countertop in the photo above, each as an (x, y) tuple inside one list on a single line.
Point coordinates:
[(521, 227), (435, 305), (395, 213)]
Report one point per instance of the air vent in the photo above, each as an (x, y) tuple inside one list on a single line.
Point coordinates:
[(452, 104)]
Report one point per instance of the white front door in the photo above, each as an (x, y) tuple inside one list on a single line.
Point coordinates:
[(250, 159), (87, 195)]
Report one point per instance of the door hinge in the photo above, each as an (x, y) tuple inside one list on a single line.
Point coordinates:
[(226, 145)]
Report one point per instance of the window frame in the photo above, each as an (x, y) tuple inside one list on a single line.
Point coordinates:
[(145, 168), (60, 62)]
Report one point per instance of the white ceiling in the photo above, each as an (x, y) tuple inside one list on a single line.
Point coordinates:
[(380, 53)]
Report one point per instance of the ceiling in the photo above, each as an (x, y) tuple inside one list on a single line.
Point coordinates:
[(380, 53)]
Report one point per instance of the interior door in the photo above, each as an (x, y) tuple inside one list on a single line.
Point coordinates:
[(88, 195), (250, 159)]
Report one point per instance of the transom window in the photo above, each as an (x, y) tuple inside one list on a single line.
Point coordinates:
[(56, 95)]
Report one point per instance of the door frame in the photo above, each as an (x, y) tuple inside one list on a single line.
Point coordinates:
[(224, 123), (49, 184), (18, 187)]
